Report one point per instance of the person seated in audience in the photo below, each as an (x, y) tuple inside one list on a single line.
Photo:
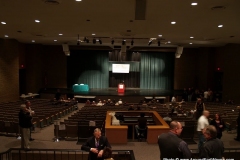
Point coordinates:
[(167, 118), (117, 104), (58, 95), (219, 124), (173, 100), (138, 108), (144, 103), (141, 128), (99, 103), (120, 102), (104, 102), (88, 103), (93, 103), (131, 108), (107, 154), (157, 101), (125, 104)]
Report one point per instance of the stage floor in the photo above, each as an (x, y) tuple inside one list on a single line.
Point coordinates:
[(129, 92)]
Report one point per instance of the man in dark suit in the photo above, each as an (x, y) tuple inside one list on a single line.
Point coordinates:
[(95, 145)]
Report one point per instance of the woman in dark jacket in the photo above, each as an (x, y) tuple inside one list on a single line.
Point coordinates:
[(219, 124)]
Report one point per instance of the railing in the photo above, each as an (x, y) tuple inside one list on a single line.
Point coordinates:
[(58, 154)]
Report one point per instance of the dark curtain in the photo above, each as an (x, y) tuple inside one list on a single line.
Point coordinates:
[(88, 67), (156, 70)]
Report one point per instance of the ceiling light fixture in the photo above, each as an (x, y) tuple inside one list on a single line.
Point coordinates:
[(220, 26), (6, 36), (169, 42), (190, 43), (33, 41), (78, 0), (173, 22), (159, 35), (93, 34), (37, 21), (55, 40), (60, 34), (194, 4), (3, 22), (191, 37)]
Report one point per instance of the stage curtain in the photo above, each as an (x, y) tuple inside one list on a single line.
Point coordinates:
[(156, 70), (88, 67)]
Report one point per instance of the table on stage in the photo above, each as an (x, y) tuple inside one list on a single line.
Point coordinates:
[(118, 134), (80, 87)]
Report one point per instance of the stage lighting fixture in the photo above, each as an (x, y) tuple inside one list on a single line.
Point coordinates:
[(149, 43), (132, 42), (100, 41), (94, 41), (112, 42), (123, 42), (159, 43)]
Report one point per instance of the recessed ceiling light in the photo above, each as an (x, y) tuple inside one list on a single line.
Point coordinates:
[(194, 4), (37, 21), (191, 37), (5, 35), (159, 35), (78, 0), (190, 43), (3, 22), (220, 25), (169, 42), (173, 22), (93, 34), (33, 41), (60, 34), (55, 40)]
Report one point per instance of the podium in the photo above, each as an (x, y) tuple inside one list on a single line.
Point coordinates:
[(121, 88)]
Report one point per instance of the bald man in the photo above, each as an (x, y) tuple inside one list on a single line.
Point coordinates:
[(202, 123), (95, 145), (171, 146)]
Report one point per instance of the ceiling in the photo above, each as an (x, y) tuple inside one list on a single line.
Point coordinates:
[(137, 20)]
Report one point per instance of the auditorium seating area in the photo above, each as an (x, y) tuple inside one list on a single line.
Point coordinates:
[(45, 114)]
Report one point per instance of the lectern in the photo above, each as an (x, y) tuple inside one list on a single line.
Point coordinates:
[(121, 88)]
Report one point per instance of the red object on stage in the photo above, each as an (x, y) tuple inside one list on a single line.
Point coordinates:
[(121, 88)]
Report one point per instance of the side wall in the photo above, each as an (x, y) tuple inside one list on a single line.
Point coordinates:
[(9, 70)]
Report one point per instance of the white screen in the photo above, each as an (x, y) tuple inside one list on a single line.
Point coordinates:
[(120, 68)]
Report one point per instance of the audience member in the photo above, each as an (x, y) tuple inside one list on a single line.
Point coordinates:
[(219, 124), (142, 125), (173, 100), (202, 123), (95, 145), (120, 102), (58, 95), (131, 108), (28, 104), (25, 125), (107, 154), (199, 107), (213, 147), (171, 146), (167, 118), (238, 125)]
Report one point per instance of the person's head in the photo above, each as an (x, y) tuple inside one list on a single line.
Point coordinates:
[(23, 107), (28, 103), (199, 100), (97, 133), (107, 153), (206, 113), (217, 116), (176, 127), (210, 132)]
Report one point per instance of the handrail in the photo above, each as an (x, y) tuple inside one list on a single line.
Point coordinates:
[(7, 155)]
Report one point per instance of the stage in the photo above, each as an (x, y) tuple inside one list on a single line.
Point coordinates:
[(130, 95)]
